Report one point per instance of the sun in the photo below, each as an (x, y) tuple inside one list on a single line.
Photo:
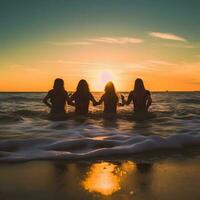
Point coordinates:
[(106, 76), (102, 77)]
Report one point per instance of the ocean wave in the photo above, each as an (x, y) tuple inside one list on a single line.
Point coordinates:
[(9, 117), (19, 115), (28, 133), (95, 115), (87, 148), (29, 113), (18, 99), (190, 101)]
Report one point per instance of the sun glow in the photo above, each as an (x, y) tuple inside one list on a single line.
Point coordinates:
[(102, 78)]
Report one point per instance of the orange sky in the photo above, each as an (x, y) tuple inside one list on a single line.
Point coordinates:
[(100, 43), (99, 64)]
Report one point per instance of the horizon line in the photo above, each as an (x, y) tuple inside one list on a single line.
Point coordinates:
[(101, 91)]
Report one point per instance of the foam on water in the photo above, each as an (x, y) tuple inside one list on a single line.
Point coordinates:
[(26, 133), (30, 149)]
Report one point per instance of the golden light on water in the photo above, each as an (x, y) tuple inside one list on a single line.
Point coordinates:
[(99, 138), (128, 166), (105, 178), (102, 179)]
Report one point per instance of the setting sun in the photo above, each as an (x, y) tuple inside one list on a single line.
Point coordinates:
[(103, 77)]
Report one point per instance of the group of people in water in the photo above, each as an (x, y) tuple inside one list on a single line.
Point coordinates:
[(57, 98)]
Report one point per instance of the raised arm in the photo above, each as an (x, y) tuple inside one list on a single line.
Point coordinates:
[(149, 100), (70, 100), (46, 98), (130, 98), (100, 101), (95, 103)]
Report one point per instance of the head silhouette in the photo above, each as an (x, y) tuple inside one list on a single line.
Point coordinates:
[(110, 88), (139, 86), (83, 87), (58, 85)]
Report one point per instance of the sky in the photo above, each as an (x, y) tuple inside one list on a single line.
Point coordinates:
[(100, 41)]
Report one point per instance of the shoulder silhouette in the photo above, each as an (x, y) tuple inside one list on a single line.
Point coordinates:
[(140, 97), (109, 98), (57, 97), (82, 97)]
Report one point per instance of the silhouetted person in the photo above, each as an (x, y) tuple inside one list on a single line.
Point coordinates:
[(109, 98), (140, 97), (57, 97), (82, 97)]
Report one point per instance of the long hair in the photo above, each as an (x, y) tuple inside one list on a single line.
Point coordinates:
[(82, 87), (139, 86), (59, 85), (110, 90)]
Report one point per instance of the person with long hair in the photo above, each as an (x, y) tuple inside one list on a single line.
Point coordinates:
[(109, 98), (140, 97), (57, 97), (82, 97)]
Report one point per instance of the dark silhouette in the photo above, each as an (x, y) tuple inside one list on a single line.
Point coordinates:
[(82, 97), (109, 98), (58, 98), (140, 96), (144, 167)]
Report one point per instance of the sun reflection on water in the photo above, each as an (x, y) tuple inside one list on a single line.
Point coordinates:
[(99, 138), (105, 177)]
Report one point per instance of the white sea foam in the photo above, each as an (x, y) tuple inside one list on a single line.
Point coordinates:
[(27, 134), (20, 150)]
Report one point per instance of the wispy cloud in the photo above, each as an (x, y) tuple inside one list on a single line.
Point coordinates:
[(195, 82), (188, 46), (73, 62), (106, 40), (69, 43), (167, 36), (162, 62), (119, 67), (16, 66), (117, 40), (24, 68)]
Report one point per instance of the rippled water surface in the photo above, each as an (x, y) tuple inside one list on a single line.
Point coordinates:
[(26, 133)]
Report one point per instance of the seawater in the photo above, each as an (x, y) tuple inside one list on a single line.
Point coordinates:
[(26, 133)]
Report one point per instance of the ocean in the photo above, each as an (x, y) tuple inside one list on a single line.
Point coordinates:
[(27, 133)]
